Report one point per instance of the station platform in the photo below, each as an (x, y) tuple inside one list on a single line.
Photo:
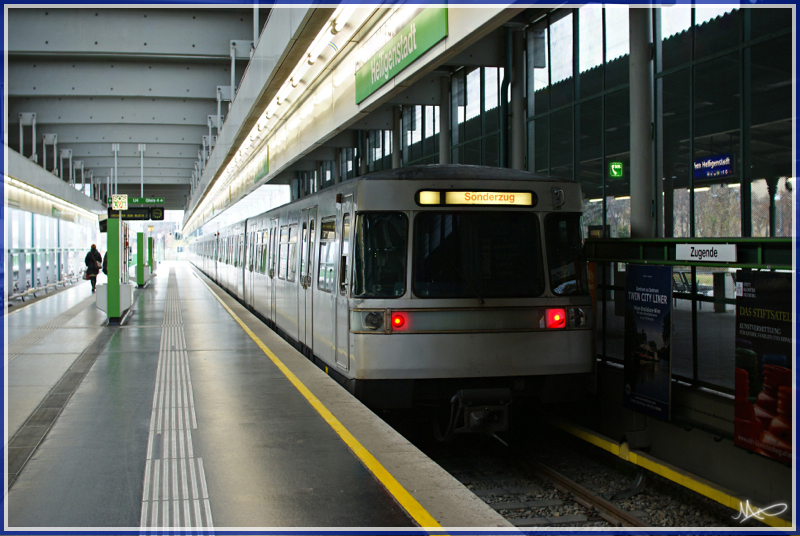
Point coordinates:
[(195, 414)]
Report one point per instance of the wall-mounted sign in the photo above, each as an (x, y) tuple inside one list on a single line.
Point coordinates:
[(407, 44), (705, 252), (719, 165), (476, 198), (119, 202), (615, 170)]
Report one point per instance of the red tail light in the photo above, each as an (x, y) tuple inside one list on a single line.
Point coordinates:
[(398, 320), (555, 318)]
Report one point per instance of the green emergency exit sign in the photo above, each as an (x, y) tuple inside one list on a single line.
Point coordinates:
[(615, 170)]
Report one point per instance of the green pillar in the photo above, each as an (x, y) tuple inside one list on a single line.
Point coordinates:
[(112, 261), (140, 259), (150, 253)]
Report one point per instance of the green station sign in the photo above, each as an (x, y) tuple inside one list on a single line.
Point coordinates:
[(408, 44), (143, 201), (615, 170), (263, 167)]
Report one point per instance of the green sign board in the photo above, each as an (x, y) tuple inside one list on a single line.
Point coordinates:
[(615, 170), (144, 201), (55, 212), (263, 169), (408, 44)]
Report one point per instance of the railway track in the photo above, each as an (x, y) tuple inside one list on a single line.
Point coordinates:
[(551, 479)]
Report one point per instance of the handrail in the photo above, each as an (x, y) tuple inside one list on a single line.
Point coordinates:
[(752, 253)]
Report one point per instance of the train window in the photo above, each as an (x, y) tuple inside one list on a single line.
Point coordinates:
[(292, 271), (310, 251), (283, 260), (345, 255), (379, 269), (303, 256), (566, 264), (264, 250), (477, 255), (327, 255)]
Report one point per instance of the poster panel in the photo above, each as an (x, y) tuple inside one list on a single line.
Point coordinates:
[(648, 340), (763, 405)]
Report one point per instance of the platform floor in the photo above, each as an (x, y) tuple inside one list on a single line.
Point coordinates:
[(181, 418)]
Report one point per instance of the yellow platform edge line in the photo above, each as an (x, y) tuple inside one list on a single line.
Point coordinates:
[(403, 497), (683, 478)]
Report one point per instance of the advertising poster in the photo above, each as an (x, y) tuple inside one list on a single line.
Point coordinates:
[(763, 411), (648, 337)]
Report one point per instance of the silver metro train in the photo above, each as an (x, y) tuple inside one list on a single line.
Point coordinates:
[(422, 285)]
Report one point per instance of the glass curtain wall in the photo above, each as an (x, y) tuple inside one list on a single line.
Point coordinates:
[(475, 116), (579, 109), (724, 90), (723, 131)]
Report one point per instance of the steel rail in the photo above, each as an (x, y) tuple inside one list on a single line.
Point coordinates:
[(606, 509)]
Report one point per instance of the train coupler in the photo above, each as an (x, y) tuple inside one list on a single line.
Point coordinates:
[(483, 410)]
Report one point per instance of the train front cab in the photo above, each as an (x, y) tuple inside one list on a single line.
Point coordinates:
[(450, 296)]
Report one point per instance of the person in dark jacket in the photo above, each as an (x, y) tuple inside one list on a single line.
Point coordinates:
[(93, 262)]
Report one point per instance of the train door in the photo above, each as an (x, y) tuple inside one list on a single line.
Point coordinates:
[(250, 276), (304, 298), (342, 289), (273, 266)]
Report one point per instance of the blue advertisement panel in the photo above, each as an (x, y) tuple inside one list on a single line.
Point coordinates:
[(648, 339), (763, 407)]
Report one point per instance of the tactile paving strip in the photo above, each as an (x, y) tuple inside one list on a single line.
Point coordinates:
[(175, 491)]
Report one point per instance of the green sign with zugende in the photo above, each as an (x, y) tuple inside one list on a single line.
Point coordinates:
[(408, 44)]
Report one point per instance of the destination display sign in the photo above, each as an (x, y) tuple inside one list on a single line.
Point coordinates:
[(138, 213), (428, 197), (706, 252), (719, 165)]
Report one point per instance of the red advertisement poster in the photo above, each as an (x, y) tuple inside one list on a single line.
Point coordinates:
[(763, 413)]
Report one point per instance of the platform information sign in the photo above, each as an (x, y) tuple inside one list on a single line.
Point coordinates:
[(648, 339), (763, 390), (139, 200)]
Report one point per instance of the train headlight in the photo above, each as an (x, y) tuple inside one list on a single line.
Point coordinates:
[(374, 320), (555, 318)]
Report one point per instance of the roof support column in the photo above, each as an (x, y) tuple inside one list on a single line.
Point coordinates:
[(364, 165), (641, 113), (115, 150), (142, 149), (337, 167), (444, 120), (396, 121), (517, 145)]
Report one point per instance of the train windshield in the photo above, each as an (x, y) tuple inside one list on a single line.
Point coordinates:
[(379, 270), (565, 254), (477, 255)]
